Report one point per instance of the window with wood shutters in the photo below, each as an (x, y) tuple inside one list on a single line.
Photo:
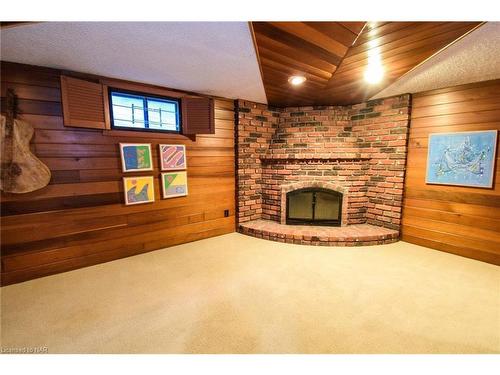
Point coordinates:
[(83, 103), (197, 115), (87, 104)]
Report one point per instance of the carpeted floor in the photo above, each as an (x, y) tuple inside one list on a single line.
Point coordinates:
[(238, 294)]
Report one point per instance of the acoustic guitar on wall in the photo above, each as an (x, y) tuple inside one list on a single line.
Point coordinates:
[(21, 171)]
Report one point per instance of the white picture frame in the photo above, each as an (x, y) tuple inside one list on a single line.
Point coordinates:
[(131, 154)]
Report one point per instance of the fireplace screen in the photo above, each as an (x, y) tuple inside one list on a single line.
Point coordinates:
[(314, 206)]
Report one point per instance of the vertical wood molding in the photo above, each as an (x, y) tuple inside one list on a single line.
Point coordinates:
[(107, 114), (254, 42)]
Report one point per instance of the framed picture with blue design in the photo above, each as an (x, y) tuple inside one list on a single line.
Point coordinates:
[(139, 190), (136, 157), (462, 158)]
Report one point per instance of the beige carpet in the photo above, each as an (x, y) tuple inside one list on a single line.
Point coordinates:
[(238, 294)]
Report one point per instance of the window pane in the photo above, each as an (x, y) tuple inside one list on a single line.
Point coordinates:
[(142, 112), (162, 114), (127, 110)]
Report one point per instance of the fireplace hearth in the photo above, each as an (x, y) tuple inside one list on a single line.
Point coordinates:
[(314, 206)]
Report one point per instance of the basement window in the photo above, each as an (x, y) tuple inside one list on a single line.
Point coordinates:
[(136, 111)]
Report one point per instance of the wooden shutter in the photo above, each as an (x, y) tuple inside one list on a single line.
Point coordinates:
[(83, 103), (197, 115)]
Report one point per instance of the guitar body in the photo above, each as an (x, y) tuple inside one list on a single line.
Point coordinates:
[(22, 172)]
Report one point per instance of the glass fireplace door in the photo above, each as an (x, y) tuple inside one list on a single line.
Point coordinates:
[(300, 206), (327, 206), (314, 206)]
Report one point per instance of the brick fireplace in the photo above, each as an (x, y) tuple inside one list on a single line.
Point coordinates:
[(359, 150)]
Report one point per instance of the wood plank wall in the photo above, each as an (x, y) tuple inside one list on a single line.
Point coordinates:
[(80, 219), (459, 220)]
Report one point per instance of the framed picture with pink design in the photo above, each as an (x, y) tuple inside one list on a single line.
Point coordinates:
[(173, 157)]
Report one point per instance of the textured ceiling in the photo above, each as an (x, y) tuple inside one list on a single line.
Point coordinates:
[(216, 58), (474, 58)]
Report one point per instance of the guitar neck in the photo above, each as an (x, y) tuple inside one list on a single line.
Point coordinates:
[(11, 109)]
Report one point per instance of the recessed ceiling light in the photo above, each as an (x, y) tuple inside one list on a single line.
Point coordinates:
[(374, 74), (374, 71), (297, 80)]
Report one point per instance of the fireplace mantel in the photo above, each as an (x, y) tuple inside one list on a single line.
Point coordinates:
[(312, 158)]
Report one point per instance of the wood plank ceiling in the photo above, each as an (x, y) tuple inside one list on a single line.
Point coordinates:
[(334, 56)]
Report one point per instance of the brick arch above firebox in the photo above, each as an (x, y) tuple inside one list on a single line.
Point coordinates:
[(315, 184)]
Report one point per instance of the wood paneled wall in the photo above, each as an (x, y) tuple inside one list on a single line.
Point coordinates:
[(80, 219), (459, 220)]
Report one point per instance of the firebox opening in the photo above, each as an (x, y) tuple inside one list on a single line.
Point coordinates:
[(314, 206)]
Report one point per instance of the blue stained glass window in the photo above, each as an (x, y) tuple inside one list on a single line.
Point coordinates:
[(136, 111)]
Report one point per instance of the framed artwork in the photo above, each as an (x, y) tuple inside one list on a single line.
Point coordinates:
[(136, 157), (462, 158), (139, 189), (173, 157), (174, 184)]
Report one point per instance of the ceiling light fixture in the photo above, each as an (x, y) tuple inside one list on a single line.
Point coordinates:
[(297, 80), (375, 71)]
